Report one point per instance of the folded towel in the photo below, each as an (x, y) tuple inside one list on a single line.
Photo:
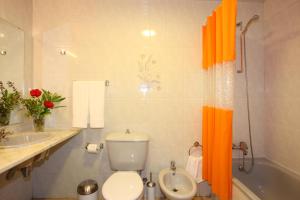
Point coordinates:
[(80, 104), (194, 167), (88, 104), (96, 103)]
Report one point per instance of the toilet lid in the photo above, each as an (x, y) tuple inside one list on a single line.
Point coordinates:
[(123, 185)]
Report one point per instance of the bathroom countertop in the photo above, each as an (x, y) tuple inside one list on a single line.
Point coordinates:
[(11, 157)]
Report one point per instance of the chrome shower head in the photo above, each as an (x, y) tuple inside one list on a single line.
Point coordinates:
[(254, 18)]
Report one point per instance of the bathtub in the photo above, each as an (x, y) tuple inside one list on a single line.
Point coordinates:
[(266, 181)]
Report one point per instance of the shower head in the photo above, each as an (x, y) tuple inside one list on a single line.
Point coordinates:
[(254, 18)]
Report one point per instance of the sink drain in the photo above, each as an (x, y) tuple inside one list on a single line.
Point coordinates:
[(175, 190)]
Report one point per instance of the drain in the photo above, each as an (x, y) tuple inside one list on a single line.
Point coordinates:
[(175, 190)]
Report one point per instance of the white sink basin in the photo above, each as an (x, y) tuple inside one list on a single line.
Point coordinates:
[(23, 139)]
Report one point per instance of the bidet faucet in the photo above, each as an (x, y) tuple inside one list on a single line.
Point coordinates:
[(173, 165)]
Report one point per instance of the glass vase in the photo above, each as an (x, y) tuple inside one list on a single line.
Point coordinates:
[(39, 124), (4, 118)]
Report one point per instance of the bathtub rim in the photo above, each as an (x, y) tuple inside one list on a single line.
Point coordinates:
[(263, 161), (244, 189), (272, 163), (284, 168)]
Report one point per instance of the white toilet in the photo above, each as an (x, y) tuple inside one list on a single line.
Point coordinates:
[(127, 153)]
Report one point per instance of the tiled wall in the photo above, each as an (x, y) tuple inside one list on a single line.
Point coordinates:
[(255, 58), (19, 13), (104, 41), (282, 82)]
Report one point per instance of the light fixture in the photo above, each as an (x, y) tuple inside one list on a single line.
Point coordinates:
[(3, 52), (64, 52), (148, 32)]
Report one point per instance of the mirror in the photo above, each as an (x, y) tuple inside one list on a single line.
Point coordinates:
[(11, 69)]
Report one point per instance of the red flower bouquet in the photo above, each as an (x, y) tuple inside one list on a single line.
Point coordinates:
[(35, 92), (39, 104)]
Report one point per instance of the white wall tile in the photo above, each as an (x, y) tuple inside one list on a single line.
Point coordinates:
[(282, 82), (106, 38)]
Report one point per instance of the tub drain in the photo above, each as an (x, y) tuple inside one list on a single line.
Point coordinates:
[(175, 190)]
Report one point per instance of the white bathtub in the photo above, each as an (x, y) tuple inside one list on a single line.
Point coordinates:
[(266, 181)]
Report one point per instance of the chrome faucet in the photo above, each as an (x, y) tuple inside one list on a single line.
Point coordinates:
[(173, 166), (242, 147), (4, 133)]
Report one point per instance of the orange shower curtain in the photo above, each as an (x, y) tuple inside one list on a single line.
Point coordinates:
[(218, 64)]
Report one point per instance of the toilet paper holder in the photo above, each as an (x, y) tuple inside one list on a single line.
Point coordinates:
[(99, 146)]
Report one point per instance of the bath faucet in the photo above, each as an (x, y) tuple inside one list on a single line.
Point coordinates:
[(242, 147), (173, 165)]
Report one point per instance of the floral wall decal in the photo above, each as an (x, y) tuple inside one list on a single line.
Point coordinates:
[(148, 74)]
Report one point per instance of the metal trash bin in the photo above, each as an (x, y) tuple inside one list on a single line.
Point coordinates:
[(87, 190)]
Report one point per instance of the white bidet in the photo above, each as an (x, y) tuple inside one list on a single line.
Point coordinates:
[(177, 185)]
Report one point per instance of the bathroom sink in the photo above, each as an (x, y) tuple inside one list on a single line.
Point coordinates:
[(23, 139), (177, 186)]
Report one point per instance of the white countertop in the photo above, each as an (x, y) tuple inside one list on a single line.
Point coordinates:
[(11, 157)]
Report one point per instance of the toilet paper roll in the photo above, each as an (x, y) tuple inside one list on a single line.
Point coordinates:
[(92, 148)]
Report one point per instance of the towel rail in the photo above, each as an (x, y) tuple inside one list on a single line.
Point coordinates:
[(195, 145)]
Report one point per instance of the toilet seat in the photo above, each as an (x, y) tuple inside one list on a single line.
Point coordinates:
[(123, 185)]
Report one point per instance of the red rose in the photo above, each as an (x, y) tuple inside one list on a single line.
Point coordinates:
[(35, 92), (48, 104)]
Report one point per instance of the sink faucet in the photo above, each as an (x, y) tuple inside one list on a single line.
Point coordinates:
[(173, 166), (4, 133)]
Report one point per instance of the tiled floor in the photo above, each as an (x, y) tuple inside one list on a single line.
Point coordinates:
[(196, 198)]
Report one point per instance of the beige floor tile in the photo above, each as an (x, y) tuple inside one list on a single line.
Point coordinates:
[(53, 199), (196, 198)]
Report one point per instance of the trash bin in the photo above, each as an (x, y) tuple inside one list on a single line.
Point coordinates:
[(87, 190)]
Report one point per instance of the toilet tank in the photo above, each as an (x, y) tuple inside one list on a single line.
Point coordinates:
[(127, 151)]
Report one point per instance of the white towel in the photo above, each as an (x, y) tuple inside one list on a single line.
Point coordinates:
[(96, 102), (80, 104), (88, 104), (194, 167)]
